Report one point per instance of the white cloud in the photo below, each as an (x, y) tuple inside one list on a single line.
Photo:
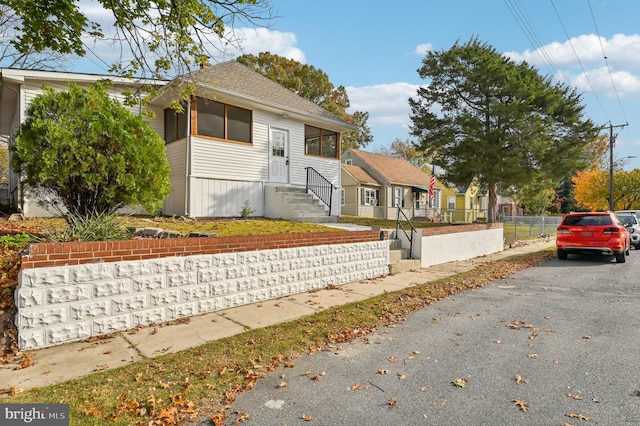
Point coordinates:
[(387, 104), (627, 85), (422, 49), (256, 40)]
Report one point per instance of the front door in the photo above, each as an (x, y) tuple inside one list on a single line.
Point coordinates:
[(279, 156)]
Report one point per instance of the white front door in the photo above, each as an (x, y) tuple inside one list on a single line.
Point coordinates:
[(279, 156)]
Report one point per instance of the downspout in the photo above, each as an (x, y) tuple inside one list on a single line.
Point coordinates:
[(187, 182)]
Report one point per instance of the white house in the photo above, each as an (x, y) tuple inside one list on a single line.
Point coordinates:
[(241, 138)]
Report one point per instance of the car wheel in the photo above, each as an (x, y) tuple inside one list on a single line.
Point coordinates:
[(620, 257), (628, 252), (636, 246), (562, 255)]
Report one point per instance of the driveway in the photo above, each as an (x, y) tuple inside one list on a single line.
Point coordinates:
[(555, 344)]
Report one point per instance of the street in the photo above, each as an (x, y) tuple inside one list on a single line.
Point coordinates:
[(554, 344)]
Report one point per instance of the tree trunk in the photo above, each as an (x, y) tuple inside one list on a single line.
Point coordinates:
[(493, 203)]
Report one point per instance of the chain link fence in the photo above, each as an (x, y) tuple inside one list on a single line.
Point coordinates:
[(526, 227)]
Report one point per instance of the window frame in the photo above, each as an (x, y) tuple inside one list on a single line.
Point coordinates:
[(321, 141), (225, 121), (398, 195), (177, 118), (366, 197), (451, 201)]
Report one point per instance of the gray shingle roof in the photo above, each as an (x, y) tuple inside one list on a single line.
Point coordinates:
[(236, 79)]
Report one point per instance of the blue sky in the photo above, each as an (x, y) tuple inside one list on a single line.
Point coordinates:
[(374, 49)]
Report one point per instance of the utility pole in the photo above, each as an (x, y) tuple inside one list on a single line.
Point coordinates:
[(612, 139)]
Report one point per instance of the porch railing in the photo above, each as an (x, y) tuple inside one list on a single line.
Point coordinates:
[(400, 227), (320, 186)]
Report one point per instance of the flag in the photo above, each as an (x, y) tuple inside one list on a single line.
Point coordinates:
[(432, 181)]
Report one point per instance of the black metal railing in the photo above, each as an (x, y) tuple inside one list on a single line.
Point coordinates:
[(400, 227), (320, 186)]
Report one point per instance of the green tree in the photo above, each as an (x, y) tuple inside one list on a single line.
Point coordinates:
[(536, 198), (161, 36), (27, 57), (312, 84), (485, 117), (87, 150), (405, 150)]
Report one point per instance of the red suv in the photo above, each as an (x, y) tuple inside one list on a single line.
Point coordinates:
[(593, 232)]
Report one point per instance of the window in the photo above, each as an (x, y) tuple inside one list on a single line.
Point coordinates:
[(342, 196), (470, 203), (348, 161), (398, 197), (175, 124), (369, 197), (451, 202), (221, 121), (324, 143)]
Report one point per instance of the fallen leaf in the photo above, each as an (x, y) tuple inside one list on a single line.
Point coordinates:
[(392, 359), (306, 418), (383, 371), (436, 320), (92, 411), (392, 402), (520, 403), (595, 400), (243, 416), (139, 376), (534, 356), (519, 379), (461, 383), (355, 387), (574, 396), (282, 385), (402, 376), (101, 367), (578, 416)]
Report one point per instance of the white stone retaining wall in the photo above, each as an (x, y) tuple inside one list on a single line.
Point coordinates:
[(70, 303)]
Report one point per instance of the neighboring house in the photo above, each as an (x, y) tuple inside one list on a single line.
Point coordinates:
[(241, 138), (376, 185), (463, 203)]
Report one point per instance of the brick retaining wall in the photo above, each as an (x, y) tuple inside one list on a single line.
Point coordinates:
[(72, 291)]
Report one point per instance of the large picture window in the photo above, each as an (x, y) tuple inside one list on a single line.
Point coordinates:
[(221, 121), (324, 143)]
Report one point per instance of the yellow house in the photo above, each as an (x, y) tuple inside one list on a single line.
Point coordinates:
[(459, 203)]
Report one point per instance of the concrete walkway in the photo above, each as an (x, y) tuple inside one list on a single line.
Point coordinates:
[(65, 362)]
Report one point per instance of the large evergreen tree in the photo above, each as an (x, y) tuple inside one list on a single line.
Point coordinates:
[(485, 118), (88, 151)]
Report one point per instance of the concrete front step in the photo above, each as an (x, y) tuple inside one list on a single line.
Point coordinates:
[(396, 255), (404, 265)]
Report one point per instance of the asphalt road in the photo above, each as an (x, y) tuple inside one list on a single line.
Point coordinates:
[(570, 330)]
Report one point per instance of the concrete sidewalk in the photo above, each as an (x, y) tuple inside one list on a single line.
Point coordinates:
[(65, 362)]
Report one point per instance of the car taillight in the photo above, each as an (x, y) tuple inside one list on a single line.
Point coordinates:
[(562, 230), (610, 231)]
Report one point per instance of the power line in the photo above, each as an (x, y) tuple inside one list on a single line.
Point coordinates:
[(530, 33), (604, 55), (584, 72)]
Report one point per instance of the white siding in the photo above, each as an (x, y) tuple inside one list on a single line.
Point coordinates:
[(224, 198), (174, 204)]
